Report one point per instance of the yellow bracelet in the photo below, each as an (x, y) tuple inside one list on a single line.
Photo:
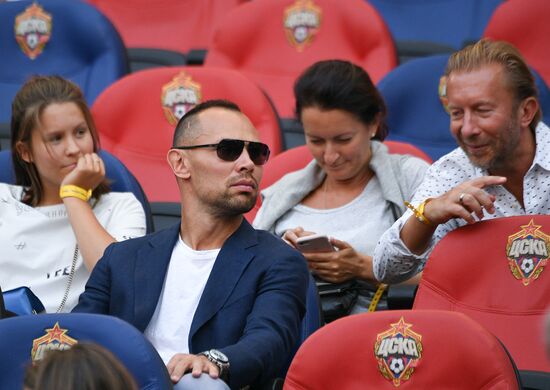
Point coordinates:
[(419, 211), (73, 191)]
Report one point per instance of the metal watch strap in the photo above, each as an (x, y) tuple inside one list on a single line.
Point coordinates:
[(222, 367)]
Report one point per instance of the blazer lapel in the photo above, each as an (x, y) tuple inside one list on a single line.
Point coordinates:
[(232, 260), (150, 271)]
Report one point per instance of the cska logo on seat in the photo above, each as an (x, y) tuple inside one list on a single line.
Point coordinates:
[(33, 29), (55, 339), (442, 92), (527, 252), (301, 22), (398, 351), (179, 96)]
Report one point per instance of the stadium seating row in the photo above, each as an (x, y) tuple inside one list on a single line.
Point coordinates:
[(136, 115), (458, 335), (60, 36)]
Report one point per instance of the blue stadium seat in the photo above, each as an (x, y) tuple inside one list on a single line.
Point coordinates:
[(27, 336), (122, 180), (448, 23), (415, 113), (65, 37)]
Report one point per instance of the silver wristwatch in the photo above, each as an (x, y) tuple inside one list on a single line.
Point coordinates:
[(220, 360)]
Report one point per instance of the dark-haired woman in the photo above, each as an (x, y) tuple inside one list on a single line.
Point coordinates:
[(59, 218), (354, 189)]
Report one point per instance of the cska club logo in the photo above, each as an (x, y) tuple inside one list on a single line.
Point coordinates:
[(179, 96), (527, 252), (398, 351), (54, 339), (33, 29), (301, 22), (442, 92)]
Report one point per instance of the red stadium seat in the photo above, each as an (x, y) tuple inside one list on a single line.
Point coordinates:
[(137, 115), (273, 41), (296, 158), (494, 271), (422, 349), (165, 24), (525, 25), (397, 147)]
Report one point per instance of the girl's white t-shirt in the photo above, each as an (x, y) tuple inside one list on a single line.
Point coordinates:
[(37, 245)]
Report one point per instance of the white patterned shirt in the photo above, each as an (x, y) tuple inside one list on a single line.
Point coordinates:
[(394, 262)]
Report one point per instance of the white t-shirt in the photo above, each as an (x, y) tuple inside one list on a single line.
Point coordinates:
[(184, 283), (360, 222), (37, 245)]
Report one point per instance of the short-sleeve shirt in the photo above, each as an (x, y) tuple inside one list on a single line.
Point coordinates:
[(37, 245)]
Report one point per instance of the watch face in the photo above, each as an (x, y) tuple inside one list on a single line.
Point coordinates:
[(218, 356)]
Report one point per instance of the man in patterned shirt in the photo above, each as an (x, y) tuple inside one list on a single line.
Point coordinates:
[(502, 167)]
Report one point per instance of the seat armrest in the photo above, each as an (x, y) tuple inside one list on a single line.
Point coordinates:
[(401, 296)]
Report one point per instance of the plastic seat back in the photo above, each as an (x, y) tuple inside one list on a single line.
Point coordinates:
[(494, 271), (31, 336), (525, 25), (68, 38), (446, 22), (422, 349), (273, 41), (136, 117), (415, 112), (177, 25)]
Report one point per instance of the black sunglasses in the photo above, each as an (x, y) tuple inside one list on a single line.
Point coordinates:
[(231, 149)]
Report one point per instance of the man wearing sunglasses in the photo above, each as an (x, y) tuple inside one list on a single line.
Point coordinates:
[(212, 294)]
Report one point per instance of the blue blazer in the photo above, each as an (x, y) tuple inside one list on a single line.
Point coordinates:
[(251, 308)]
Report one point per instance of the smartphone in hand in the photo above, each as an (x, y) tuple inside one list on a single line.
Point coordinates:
[(314, 243)]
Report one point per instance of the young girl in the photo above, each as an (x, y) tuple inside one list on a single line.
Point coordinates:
[(59, 218)]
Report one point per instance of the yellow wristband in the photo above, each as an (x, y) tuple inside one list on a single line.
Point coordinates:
[(73, 191), (419, 211)]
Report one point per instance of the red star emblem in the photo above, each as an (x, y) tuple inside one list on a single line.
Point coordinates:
[(530, 229), (400, 327), (55, 333)]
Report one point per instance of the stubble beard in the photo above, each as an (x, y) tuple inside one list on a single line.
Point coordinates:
[(228, 205), (503, 150)]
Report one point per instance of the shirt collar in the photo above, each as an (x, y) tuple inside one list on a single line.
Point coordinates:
[(542, 154)]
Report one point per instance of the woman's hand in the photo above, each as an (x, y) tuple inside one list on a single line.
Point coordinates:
[(88, 173), (341, 265), (292, 235), (91, 236)]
